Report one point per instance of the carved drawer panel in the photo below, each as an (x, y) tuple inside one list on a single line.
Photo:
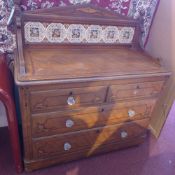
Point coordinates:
[(136, 90), (86, 118), (88, 141), (66, 98), (62, 158)]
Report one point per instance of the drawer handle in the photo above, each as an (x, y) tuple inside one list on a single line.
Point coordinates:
[(102, 110), (135, 92), (70, 101), (69, 123), (67, 146), (123, 134), (131, 113), (138, 87)]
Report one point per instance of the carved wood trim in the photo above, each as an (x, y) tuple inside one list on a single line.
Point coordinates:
[(20, 46)]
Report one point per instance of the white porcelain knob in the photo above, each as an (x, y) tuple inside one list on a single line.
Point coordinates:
[(70, 101), (135, 92), (69, 123), (123, 134), (131, 113), (67, 146)]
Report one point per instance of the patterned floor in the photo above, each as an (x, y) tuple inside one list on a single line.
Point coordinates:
[(154, 157)]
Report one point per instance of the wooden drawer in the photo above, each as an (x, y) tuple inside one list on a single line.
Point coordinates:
[(136, 90), (63, 158), (59, 122), (89, 140), (66, 98)]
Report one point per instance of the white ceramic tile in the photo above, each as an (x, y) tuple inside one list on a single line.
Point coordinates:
[(77, 33)]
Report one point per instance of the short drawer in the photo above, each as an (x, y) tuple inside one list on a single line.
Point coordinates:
[(136, 90), (89, 141), (87, 118), (56, 99)]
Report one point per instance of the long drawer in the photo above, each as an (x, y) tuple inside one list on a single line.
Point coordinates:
[(62, 158), (55, 99), (88, 141), (135, 90), (62, 122)]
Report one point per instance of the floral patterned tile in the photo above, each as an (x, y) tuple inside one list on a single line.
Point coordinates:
[(77, 33)]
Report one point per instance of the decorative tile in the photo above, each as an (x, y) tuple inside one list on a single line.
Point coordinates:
[(56, 32), (126, 35), (94, 34), (76, 33), (34, 31), (111, 34)]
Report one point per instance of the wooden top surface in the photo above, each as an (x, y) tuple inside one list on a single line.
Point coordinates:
[(79, 11), (67, 64)]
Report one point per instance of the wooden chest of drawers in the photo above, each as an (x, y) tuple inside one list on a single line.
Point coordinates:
[(79, 100), (80, 120)]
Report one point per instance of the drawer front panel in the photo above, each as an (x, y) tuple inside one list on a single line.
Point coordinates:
[(86, 118), (62, 158), (89, 140), (137, 90), (66, 98)]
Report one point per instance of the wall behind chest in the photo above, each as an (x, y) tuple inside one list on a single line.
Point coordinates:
[(161, 44)]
